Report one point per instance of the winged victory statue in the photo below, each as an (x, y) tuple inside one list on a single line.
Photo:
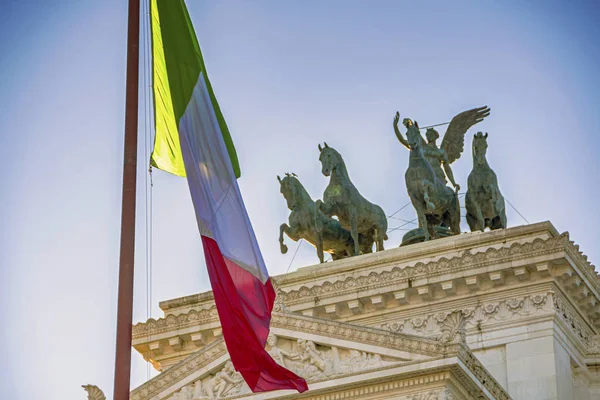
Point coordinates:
[(452, 145), (429, 169)]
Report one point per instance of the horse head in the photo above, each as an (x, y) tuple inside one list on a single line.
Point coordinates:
[(479, 148), (330, 159), (291, 189), (412, 133)]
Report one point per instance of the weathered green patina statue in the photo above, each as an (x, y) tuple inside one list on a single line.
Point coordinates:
[(452, 145), (306, 222), (439, 160), (435, 203), (342, 199), (484, 202)]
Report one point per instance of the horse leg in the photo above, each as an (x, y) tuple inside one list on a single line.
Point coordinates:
[(366, 242), (502, 211), (454, 215), (422, 220), (324, 208), (479, 216), (292, 234), (455, 221), (431, 229), (319, 246), (282, 247), (318, 233), (503, 218), (378, 240), (417, 205), (354, 229), (426, 187), (472, 221)]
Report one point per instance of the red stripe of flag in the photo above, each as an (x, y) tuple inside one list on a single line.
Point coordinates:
[(244, 305)]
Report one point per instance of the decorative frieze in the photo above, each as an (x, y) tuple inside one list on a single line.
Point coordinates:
[(433, 323)]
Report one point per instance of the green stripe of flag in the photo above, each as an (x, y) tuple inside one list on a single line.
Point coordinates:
[(177, 65)]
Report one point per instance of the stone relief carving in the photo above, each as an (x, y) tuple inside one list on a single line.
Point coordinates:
[(308, 359), (222, 384), (456, 321), (279, 303), (576, 324), (453, 325), (475, 366), (436, 395), (443, 394)]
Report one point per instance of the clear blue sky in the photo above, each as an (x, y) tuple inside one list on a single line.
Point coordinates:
[(288, 75)]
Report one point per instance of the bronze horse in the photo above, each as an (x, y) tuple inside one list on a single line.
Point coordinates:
[(308, 223), (355, 213), (484, 202)]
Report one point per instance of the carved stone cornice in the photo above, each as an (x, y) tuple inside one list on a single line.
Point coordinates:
[(357, 334), (480, 372), (413, 252), (559, 245), (186, 301), (575, 324), (586, 267), (156, 326), (399, 274)]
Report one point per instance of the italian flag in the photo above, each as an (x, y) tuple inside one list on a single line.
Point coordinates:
[(192, 140)]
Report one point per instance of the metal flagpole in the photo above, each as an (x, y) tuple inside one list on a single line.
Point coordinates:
[(126, 258)]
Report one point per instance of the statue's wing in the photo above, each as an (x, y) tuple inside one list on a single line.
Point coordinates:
[(454, 139)]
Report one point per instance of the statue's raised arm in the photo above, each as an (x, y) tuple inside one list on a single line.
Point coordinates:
[(398, 133), (453, 143)]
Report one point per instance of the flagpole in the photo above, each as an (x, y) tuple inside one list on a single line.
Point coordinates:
[(126, 258)]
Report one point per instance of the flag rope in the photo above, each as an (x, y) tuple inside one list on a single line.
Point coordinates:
[(148, 182)]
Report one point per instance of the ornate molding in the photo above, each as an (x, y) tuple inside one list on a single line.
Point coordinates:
[(313, 361), (588, 269), (358, 334), (372, 280), (171, 322), (470, 317), (193, 299), (453, 325), (478, 370), (581, 330), (397, 274)]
